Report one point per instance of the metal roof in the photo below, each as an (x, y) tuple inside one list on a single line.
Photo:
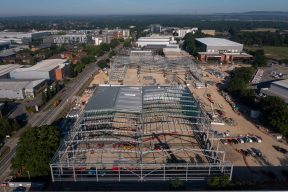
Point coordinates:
[(45, 65), (209, 41), (5, 69), (282, 83), (8, 84)]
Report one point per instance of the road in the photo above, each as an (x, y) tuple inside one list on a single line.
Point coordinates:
[(47, 117)]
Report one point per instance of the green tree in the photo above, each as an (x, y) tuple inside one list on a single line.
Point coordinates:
[(275, 113), (259, 58), (220, 182), (102, 64), (35, 149)]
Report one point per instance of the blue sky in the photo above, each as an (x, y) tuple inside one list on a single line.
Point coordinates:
[(107, 7)]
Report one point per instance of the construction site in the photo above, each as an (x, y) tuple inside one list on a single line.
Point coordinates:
[(140, 133), (145, 68)]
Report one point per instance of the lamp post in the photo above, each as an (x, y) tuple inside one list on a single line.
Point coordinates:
[(28, 175)]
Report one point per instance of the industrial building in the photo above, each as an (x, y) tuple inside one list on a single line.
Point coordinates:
[(21, 89), (6, 69), (140, 133), (221, 50), (50, 69), (23, 37), (182, 32), (155, 40), (277, 88)]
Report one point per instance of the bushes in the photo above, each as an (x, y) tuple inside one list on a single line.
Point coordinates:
[(102, 64), (219, 182)]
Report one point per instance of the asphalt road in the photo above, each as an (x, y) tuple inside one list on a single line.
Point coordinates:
[(47, 117)]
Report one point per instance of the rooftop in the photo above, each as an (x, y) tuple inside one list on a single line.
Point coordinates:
[(45, 65), (9, 84), (282, 83), (4, 69), (217, 42)]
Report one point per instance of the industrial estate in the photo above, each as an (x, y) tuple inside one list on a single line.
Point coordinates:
[(143, 108)]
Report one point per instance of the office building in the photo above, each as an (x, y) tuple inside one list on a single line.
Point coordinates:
[(155, 40), (182, 32)]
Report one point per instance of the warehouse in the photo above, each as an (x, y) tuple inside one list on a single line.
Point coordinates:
[(6, 69), (139, 133), (221, 50), (45, 69), (21, 89), (155, 40), (278, 88)]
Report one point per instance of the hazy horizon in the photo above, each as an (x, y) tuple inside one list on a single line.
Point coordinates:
[(134, 7)]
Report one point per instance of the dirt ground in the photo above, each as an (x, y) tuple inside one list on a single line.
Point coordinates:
[(132, 78), (244, 126)]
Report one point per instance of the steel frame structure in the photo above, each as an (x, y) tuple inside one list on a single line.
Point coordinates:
[(168, 137), (153, 63)]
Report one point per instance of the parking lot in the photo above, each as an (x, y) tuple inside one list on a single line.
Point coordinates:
[(236, 143)]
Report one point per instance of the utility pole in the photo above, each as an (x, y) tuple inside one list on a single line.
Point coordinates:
[(28, 175)]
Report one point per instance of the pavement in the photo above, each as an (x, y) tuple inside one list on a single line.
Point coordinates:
[(48, 115)]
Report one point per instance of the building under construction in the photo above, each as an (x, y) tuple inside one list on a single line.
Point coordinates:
[(140, 133)]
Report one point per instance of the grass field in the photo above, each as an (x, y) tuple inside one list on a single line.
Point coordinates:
[(273, 52)]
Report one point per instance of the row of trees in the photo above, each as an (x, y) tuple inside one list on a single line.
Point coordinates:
[(262, 38), (35, 149), (50, 92)]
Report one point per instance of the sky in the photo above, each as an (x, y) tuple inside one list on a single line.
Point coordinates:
[(116, 7)]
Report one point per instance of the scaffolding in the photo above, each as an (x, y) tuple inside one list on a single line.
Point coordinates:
[(149, 63), (147, 133)]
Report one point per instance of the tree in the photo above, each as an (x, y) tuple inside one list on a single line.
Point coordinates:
[(102, 64), (220, 182), (35, 149), (176, 184), (7, 126), (275, 113), (127, 44), (260, 59), (71, 71)]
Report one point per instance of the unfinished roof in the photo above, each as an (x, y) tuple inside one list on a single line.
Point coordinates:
[(209, 41), (5, 69), (45, 65)]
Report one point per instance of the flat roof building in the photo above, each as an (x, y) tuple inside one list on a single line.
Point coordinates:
[(20, 89), (45, 69), (155, 40), (221, 50), (279, 89)]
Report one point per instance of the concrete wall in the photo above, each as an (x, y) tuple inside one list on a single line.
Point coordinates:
[(31, 75)]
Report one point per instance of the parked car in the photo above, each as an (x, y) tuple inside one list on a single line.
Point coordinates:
[(257, 152), (252, 153), (244, 152), (224, 141), (240, 140), (280, 149), (234, 141)]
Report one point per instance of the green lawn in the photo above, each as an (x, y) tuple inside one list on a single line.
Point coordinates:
[(272, 52)]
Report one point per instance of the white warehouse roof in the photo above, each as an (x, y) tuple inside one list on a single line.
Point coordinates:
[(210, 41), (4, 69), (45, 65)]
